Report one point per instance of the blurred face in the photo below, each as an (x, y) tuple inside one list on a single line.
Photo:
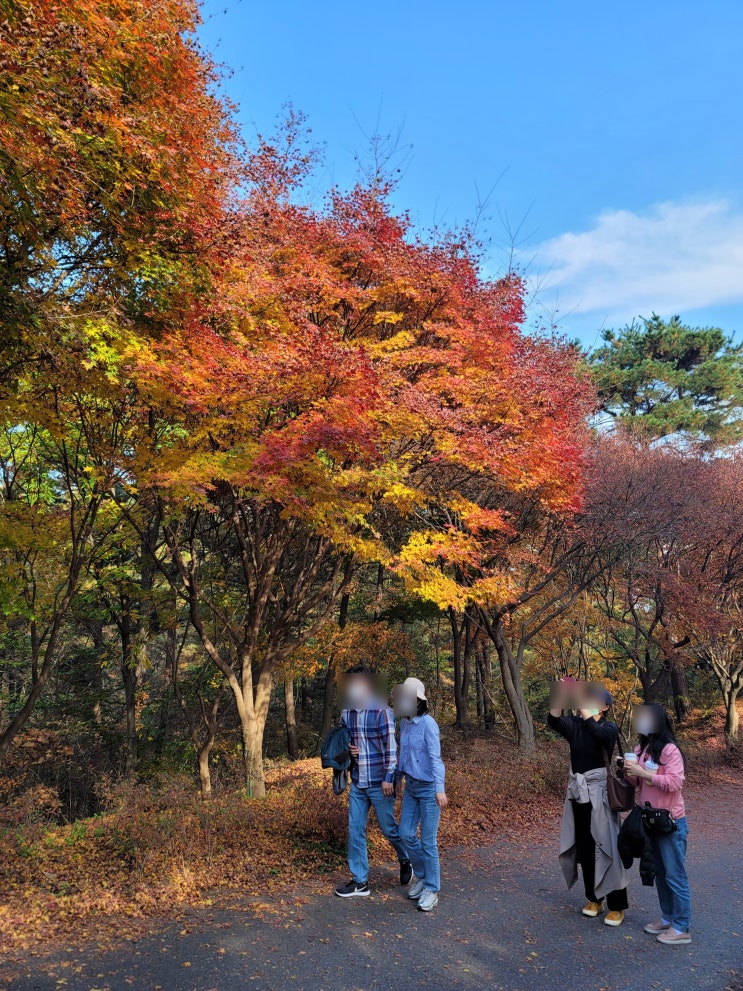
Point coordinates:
[(596, 698), (356, 691), (573, 694), (405, 702), (645, 720)]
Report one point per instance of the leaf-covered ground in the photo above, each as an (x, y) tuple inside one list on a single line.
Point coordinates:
[(162, 847), (161, 850), (505, 922)]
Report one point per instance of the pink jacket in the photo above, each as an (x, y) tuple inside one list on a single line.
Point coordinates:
[(664, 792)]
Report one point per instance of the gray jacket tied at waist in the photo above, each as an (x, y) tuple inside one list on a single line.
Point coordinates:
[(610, 873)]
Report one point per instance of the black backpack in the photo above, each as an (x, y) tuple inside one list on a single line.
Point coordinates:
[(334, 753)]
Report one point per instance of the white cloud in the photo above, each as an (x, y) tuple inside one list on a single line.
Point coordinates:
[(674, 258)]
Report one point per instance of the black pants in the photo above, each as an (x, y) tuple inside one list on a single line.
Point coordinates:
[(615, 900)]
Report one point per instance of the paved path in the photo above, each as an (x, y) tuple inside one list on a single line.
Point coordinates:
[(497, 927)]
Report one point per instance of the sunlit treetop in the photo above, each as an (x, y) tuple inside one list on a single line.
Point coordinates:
[(661, 378), (357, 373)]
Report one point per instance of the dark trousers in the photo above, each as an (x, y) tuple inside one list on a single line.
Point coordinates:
[(615, 900)]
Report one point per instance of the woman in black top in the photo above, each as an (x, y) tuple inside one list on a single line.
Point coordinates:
[(591, 736)]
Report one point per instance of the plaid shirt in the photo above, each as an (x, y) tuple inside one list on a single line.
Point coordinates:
[(373, 732)]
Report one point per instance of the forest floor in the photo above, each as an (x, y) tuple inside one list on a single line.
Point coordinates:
[(166, 895), (504, 922)]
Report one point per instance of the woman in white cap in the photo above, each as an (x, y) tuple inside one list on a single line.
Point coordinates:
[(421, 764)]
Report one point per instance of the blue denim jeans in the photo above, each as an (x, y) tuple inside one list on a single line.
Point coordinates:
[(670, 876), (360, 801), (419, 808)]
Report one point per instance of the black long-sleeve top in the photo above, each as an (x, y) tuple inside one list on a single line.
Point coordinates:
[(588, 738)]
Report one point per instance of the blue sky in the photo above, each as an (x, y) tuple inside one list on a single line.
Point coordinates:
[(610, 135)]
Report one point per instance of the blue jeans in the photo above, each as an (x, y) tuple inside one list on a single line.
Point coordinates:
[(419, 808), (670, 876), (360, 801)]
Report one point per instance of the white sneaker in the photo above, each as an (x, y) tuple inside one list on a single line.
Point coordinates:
[(416, 889), (428, 900)]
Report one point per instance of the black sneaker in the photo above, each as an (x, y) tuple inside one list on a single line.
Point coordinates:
[(352, 890), (406, 872)]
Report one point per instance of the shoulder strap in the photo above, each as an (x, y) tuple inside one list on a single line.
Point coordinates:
[(617, 741), (621, 738), (608, 756)]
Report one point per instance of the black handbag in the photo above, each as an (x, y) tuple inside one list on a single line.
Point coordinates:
[(620, 792), (658, 821)]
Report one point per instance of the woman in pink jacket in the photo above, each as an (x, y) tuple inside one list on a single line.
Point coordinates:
[(660, 772)]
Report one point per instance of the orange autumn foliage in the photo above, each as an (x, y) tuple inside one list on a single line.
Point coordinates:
[(376, 645), (366, 380), (114, 154), (346, 391)]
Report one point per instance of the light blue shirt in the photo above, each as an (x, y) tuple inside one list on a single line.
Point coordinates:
[(420, 750)]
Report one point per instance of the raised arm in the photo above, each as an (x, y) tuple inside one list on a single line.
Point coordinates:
[(564, 725), (605, 733)]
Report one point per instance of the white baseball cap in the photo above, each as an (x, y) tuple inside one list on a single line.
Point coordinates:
[(417, 686)]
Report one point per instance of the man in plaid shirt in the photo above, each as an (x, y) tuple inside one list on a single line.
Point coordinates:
[(371, 724)]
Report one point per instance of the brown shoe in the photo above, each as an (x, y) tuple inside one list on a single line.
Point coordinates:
[(592, 909), (614, 918), (656, 928), (672, 938)]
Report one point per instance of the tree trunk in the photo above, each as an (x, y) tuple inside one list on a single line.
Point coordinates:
[(328, 694), (205, 772), (203, 742), (129, 681), (726, 661), (20, 719), (40, 675), (292, 743), (729, 674), (95, 627), (129, 676), (304, 604), (461, 653), (253, 715), (654, 689), (732, 726), (255, 777), (649, 681), (679, 688), (478, 691), (252, 702), (482, 659), (510, 667), (210, 723)]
